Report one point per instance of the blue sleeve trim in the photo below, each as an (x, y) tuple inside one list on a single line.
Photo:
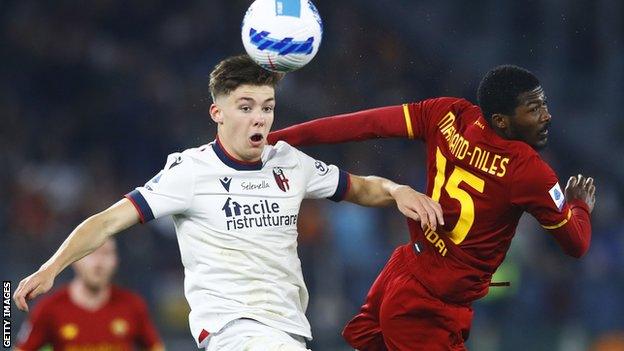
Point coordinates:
[(343, 187), (145, 211)]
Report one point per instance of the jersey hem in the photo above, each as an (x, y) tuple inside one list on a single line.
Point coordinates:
[(214, 328)]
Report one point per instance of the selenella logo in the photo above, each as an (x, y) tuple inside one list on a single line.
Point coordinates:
[(280, 179), (255, 214), (255, 186)]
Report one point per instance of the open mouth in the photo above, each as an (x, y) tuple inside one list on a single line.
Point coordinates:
[(256, 138), (544, 132)]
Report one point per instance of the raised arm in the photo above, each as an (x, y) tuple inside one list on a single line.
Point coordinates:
[(383, 122), (87, 237), (377, 191), (574, 235)]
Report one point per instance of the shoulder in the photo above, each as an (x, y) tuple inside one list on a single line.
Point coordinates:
[(185, 159), (200, 156), (461, 107), (282, 146), (126, 296), (282, 152), (56, 298), (58, 295), (530, 166), (196, 152), (447, 110), (454, 104), (524, 152), (192, 154)]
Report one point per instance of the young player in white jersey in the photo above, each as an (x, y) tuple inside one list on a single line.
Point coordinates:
[(235, 203)]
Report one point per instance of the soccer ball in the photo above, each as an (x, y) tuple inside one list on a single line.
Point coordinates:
[(282, 35)]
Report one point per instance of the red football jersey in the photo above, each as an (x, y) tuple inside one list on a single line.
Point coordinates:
[(483, 182), (120, 325)]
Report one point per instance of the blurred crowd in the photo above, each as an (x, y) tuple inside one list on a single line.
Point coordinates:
[(95, 94)]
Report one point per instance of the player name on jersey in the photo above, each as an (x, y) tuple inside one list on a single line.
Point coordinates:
[(480, 159)]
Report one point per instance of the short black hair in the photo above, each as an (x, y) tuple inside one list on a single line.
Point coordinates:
[(235, 71), (500, 88)]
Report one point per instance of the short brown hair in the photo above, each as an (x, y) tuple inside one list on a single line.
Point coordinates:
[(235, 71)]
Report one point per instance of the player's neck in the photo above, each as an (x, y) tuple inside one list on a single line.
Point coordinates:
[(88, 298), (500, 133), (230, 153)]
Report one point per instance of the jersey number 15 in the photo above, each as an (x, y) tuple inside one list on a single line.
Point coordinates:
[(467, 213)]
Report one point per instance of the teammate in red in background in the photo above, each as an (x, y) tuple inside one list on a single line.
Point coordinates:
[(91, 313), (483, 169)]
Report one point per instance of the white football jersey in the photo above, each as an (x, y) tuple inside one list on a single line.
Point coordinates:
[(236, 225)]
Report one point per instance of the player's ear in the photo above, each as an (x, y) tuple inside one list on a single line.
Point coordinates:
[(216, 113), (500, 121)]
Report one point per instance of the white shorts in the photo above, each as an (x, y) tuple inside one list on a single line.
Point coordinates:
[(250, 335)]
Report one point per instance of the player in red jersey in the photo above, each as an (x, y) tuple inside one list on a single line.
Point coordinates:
[(90, 313), (483, 169)]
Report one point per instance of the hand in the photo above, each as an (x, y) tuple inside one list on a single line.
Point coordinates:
[(32, 286), (582, 188), (418, 207)]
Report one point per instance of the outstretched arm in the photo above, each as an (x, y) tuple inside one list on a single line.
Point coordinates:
[(87, 237), (574, 235), (383, 122), (377, 191)]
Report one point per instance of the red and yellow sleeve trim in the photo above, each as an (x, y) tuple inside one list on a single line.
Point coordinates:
[(408, 121), (560, 224)]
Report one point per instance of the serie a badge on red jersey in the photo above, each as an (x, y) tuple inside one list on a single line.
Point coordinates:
[(557, 195)]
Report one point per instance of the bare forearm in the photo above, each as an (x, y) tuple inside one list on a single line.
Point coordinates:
[(372, 191), (91, 234), (87, 237), (377, 191)]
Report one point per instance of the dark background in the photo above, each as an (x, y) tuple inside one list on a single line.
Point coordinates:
[(94, 95)]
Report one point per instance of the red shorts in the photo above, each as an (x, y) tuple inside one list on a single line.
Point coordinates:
[(401, 314)]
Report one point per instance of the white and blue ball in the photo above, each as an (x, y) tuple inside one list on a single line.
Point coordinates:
[(282, 35)]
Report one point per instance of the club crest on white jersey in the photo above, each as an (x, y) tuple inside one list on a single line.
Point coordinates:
[(236, 225)]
